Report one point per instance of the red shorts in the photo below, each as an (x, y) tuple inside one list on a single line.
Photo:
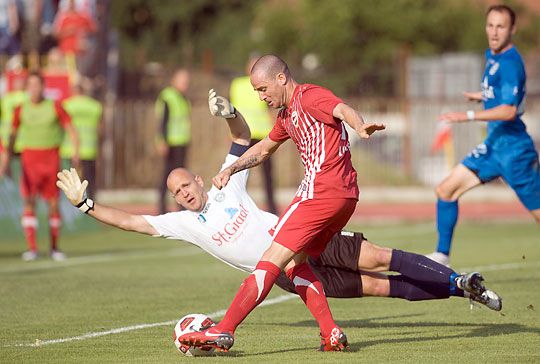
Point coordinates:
[(308, 225), (39, 169)]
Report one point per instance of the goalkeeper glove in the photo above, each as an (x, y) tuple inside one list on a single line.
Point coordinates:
[(75, 191), (220, 106)]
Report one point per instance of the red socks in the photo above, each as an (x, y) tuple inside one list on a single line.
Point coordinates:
[(310, 289), (252, 292), (255, 288), (55, 222), (29, 224)]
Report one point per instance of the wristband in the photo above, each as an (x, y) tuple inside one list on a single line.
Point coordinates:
[(470, 115), (233, 114), (86, 205)]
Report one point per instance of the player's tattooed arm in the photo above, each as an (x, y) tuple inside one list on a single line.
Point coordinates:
[(248, 162), (254, 156)]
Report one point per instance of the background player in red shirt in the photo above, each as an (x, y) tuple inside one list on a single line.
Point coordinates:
[(312, 117), (38, 126)]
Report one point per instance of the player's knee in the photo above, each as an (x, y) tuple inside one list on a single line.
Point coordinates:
[(374, 287), (536, 214), (443, 192), (373, 257), (53, 206), (384, 256), (28, 205)]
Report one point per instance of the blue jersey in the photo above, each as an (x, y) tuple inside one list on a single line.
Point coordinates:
[(503, 83)]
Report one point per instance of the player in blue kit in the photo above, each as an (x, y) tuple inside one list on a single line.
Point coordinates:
[(508, 150)]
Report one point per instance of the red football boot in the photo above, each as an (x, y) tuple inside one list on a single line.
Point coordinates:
[(212, 337), (336, 341)]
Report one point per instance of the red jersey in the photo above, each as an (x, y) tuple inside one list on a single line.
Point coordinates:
[(73, 26), (322, 141)]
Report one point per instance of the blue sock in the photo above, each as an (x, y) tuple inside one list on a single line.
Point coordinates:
[(447, 215), (421, 268), (413, 290)]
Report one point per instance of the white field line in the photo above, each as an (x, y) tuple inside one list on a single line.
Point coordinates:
[(220, 313), (100, 258), (91, 335), (184, 251)]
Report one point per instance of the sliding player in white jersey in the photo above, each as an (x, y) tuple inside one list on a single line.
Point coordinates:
[(228, 225)]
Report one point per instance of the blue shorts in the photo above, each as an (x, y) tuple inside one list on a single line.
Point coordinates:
[(517, 164)]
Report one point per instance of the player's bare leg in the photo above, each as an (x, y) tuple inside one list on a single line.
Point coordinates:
[(29, 224), (55, 222), (374, 258), (460, 180), (536, 215), (375, 284)]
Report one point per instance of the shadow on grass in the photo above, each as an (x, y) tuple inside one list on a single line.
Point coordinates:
[(478, 330), (475, 330), (11, 254)]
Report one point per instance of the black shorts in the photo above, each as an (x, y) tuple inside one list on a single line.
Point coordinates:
[(336, 267)]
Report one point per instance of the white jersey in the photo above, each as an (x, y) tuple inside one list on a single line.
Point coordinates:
[(230, 227)]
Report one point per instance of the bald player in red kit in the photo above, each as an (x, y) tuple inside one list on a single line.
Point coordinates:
[(312, 117)]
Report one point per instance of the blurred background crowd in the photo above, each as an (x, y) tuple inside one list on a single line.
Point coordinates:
[(402, 62)]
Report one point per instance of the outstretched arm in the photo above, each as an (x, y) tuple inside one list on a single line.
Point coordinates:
[(240, 133), (347, 114), (501, 112), (75, 191), (254, 156)]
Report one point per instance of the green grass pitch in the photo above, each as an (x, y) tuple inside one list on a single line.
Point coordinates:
[(114, 279)]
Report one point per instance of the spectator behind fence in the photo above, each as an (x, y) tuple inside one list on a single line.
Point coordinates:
[(86, 116), (258, 118), (173, 111), (10, 27), (71, 28), (45, 12)]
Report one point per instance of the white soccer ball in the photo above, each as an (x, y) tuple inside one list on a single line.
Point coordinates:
[(191, 323)]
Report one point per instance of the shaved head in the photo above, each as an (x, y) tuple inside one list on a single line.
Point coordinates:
[(187, 189), (178, 173), (270, 66), (271, 78)]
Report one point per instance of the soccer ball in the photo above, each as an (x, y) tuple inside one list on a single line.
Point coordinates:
[(191, 323)]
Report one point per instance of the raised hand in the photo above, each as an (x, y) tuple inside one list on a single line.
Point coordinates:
[(220, 106), (365, 130), (70, 183)]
